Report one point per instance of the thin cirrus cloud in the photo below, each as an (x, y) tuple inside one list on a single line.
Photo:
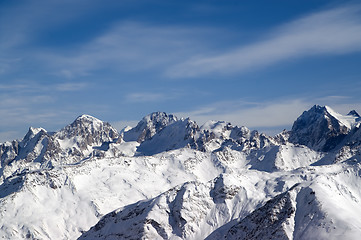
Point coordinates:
[(253, 115), (128, 47), (266, 116), (334, 31)]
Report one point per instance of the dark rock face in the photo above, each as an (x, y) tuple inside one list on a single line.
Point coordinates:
[(265, 222), (8, 152), (318, 129), (89, 131), (353, 113)]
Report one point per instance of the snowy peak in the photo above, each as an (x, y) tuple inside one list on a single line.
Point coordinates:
[(149, 126), (350, 120), (87, 118), (217, 181), (34, 145), (39, 149), (177, 135), (167, 133), (321, 128), (33, 133), (88, 131)]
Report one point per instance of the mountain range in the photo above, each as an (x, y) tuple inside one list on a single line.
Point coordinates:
[(169, 178)]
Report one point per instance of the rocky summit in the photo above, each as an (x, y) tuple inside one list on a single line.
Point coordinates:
[(169, 178)]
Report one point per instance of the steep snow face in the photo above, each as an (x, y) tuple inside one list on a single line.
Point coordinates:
[(283, 157), (174, 136), (321, 128), (149, 126), (350, 120)]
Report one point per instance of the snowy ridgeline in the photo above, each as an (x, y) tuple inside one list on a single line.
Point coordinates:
[(168, 178)]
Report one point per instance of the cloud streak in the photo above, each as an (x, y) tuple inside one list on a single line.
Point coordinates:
[(127, 47), (275, 115), (335, 31)]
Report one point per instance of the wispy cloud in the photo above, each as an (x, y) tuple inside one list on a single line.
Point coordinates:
[(128, 47), (265, 115), (335, 31), (171, 51), (32, 104), (119, 125), (253, 115)]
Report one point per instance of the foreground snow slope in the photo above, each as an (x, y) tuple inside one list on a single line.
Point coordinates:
[(168, 178), (289, 206)]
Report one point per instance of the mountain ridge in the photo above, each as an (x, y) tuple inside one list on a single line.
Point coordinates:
[(177, 180)]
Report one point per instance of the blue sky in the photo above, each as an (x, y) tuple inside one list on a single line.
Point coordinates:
[(253, 63)]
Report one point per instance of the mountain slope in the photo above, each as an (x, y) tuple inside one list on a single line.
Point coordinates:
[(39, 149), (149, 126), (321, 128), (227, 208), (168, 178)]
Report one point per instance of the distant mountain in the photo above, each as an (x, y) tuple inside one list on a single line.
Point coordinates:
[(169, 178), (149, 126), (84, 137), (321, 128)]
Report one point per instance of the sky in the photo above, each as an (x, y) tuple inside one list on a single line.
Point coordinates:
[(256, 63)]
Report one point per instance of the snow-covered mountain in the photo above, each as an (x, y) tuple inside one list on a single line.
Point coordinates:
[(168, 178), (322, 129)]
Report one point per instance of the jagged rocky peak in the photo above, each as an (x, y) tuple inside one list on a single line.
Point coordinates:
[(321, 128), (32, 132), (179, 134), (30, 148), (353, 113), (90, 129), (282, 137), (149, 126), (8, 152), (225, 130)]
